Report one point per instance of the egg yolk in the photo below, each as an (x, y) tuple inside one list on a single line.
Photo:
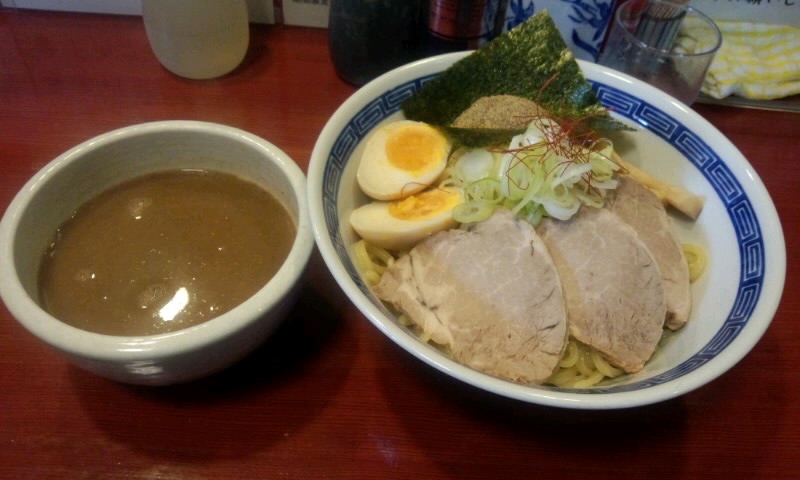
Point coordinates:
[(415, 148), (426, 204)]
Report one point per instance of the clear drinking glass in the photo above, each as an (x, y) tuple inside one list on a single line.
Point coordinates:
[(668, 45)]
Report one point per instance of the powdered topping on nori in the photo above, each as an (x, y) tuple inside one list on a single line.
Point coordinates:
[(530, 61)]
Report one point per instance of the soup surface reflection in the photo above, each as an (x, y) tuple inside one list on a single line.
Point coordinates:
[(164, 252)]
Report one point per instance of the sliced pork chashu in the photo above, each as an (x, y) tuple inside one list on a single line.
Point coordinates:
[(490, 293), (612, 285), (641, 209)]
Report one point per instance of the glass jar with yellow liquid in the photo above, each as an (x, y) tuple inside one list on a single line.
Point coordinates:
[(197, 39)]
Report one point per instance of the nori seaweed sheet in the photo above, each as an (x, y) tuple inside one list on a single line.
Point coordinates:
[(530, 61)]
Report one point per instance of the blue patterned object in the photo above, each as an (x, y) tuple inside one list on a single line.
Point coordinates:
[(582, 23), (738, 206)]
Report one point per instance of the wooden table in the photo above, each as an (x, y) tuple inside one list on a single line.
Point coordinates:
[(329, 396)]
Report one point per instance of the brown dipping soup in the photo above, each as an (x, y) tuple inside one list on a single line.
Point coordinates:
[(164, 252)]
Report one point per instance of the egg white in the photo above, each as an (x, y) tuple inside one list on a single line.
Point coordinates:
[(429, 212), (402, 158)]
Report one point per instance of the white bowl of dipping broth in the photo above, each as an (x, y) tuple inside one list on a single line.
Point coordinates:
[(171, 354)]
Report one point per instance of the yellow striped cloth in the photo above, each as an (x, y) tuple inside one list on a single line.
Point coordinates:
[(756, 60)]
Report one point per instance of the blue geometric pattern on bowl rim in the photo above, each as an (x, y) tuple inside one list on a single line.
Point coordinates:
[(737, 204)]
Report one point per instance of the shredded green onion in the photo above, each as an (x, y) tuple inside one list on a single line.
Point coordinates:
[(540, 174), (473, 211), (487, 189)]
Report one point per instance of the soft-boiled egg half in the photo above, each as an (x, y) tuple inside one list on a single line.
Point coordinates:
[(402, 158), (401, 224)]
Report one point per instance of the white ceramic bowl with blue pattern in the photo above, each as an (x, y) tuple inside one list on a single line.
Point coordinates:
[(734, 301)]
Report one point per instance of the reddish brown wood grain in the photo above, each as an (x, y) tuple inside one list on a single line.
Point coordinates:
[(328, 396)]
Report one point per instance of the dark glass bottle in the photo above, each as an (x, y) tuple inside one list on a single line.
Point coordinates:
[(454, 25), (370, 37)]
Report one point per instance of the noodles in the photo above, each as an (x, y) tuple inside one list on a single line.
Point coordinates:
[(570, 356), (581, 367), (371, 261), (696, 258), (589, 381)]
